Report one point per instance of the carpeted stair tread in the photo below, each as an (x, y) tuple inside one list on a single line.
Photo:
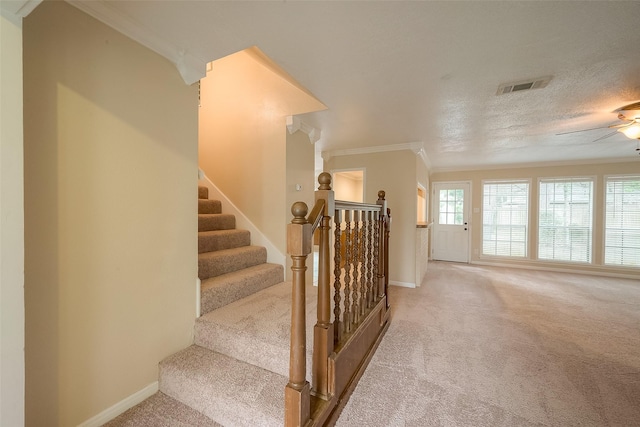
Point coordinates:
[(215, 240), (211, 264), (231, 392), (161, 410), (208, 222), (206, 206), (256, 329), (221, 290), (203, 192)]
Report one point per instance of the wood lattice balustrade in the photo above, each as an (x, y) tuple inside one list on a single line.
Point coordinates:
[(353, 310)]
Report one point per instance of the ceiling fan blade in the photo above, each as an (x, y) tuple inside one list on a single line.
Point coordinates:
[(585, 130), (605, 136)]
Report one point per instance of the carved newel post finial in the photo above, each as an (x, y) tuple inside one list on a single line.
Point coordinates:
[(381, 195), (324, 179), (299, 211)]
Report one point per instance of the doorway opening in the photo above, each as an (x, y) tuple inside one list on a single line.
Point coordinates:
[(450, 237), (348, 184)]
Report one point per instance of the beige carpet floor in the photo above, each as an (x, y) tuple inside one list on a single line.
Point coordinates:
[(483, 346)]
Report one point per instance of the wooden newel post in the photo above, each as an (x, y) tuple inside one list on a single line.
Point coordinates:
[(297, 391), (323, 330), (382, 265)]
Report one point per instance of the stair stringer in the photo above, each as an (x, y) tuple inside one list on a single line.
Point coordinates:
[(274, 255)]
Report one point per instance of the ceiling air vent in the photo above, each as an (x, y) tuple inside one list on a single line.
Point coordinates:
[(538, 83)]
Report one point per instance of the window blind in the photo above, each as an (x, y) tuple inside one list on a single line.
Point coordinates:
[(622, 221), (505, 217), (565, 219)]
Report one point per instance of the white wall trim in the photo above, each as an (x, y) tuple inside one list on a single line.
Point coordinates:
[(190, 67), (417, 148), (579, 269), (534, 165), (14, 11), (423, 156), (257, 237), (402, 284), (12, 223), (327, 155), (295, 124), (120, 407)]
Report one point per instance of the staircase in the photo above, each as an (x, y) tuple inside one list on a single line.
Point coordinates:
[(235, 372)]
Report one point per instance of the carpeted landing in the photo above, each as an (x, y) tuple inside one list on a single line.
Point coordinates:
[(487, 346)]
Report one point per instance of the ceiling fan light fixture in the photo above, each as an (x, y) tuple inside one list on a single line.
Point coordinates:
[(631, 132)]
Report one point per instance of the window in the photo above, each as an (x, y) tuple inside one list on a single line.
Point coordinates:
[(505, 215), (622, 221), (451, 207), (565, 219)]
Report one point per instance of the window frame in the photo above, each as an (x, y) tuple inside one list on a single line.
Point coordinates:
[(594, 192), (527, 251), (605, 181)]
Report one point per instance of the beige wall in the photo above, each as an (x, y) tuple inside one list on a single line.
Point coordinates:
[(110, 215), (11, 227), (300, 170), (242, 136), (347, 188), (395, 173), (598, 171)]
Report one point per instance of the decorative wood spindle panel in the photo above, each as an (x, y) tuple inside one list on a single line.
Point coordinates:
[(342, 345), (337, 324)]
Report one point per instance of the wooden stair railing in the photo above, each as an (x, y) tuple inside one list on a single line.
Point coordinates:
[(342, 346)]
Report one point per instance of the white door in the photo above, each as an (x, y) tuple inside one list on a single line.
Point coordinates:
[(450, 241)]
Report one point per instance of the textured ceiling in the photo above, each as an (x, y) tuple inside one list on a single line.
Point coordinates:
[(426, 73)]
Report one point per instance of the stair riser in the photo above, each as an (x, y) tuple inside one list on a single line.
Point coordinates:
[(209, 206), (216, 222), (203, 192), (274, 358), (222, 290), (256, 329), (216, 241), (228, 391), (212, 264)]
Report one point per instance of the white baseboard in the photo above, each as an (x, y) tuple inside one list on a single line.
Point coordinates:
[(120, 407), (402, 284), (564, 269)]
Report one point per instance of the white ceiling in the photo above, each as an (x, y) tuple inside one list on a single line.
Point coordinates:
[(424, 73)]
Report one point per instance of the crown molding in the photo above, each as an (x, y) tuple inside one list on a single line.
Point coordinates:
[(190, 67), (418, 150), (295, 124), (416, 147), (16, 10), (534, 164)]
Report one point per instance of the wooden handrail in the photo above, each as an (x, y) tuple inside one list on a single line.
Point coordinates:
[(360, 280), (355, 206), (316, 214)]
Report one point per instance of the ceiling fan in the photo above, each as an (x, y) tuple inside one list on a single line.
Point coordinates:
[(629, 114)]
